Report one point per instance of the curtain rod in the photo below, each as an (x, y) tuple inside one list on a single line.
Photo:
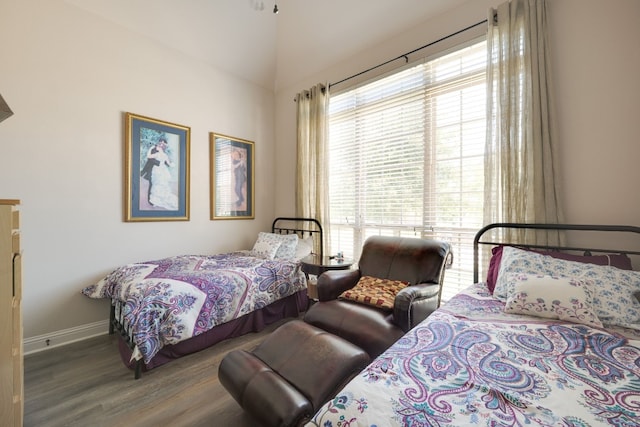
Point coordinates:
[(406, 55)]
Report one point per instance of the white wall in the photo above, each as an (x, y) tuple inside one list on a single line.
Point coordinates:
[(595, 63), (69, 77)]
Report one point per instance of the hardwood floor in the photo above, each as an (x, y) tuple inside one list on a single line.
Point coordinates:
[(86, 384)]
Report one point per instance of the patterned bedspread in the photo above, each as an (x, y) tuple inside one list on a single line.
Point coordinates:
[(173, 299), (471, 364)]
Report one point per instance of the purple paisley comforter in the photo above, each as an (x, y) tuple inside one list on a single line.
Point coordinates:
[(173, 299), (471, 364)]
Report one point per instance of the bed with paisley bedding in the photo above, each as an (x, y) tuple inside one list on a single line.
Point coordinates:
[(165, 309), (550, 338)]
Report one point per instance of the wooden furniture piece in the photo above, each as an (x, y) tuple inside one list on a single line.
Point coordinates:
[(315, 264), (11, 359)]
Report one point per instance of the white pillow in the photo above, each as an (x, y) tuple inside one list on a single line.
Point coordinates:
[(614, 298), (287, 249), (552, 298), (304, 248), (267, 245)]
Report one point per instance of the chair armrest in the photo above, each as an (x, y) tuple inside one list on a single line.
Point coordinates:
[(334, 282), (415, 303)]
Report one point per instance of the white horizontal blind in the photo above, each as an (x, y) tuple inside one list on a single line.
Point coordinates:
[(406, 158)]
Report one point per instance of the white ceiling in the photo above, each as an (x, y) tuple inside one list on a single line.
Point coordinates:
[(234, 36)]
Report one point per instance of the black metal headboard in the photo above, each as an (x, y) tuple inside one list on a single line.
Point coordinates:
[(483, 237), (303, 227)]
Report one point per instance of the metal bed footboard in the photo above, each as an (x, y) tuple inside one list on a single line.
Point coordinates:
[(117, 324)]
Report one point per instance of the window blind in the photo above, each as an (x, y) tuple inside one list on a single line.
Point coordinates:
[(406, 158)]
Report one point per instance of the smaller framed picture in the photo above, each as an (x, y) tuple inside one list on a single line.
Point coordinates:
[(232, 177), (156, 170)]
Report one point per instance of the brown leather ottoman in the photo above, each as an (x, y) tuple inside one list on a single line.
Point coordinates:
[(371, 330), (288, 377)]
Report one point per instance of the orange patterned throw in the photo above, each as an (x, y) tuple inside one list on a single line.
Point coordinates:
[(379, 293)]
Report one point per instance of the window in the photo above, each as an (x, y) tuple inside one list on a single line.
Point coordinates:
[(406, 156)]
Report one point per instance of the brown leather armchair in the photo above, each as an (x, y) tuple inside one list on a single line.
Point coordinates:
[(421, 262)]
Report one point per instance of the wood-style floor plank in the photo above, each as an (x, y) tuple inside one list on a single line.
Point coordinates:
[(86, 384)]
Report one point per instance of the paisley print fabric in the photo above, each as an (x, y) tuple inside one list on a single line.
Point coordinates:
[(176, 298), (472, 364), (553, 297), (288, 245), (267, 245)]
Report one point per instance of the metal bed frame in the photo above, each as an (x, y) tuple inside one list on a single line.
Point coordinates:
[(290, 225), (482, 239)]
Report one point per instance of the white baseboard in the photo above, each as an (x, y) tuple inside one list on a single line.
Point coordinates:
[(65, 336)]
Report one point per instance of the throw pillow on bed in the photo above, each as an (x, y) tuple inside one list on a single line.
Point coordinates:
[(614, 299), (373, 291), (267, 245), (287, 249), (552, 298)]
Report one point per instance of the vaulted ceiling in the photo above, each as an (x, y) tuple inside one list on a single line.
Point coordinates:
[(242, 38)]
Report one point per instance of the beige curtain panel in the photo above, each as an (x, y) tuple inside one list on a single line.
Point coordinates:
[(520, 169), (5, 111), (312, 183)]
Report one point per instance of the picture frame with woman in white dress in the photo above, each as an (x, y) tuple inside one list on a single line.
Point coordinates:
[(156, 169)]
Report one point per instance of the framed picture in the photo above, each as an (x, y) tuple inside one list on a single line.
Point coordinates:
[(156, 170), (232, 177)]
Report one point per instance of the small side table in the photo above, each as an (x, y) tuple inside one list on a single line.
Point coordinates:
[(316, 265)]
